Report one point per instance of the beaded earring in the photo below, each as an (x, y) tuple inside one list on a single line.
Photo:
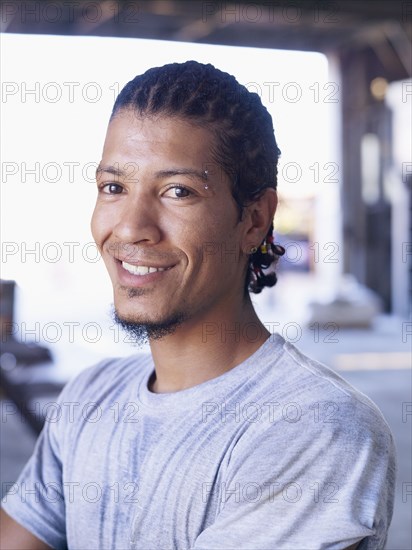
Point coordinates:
[(269, 244), (262, 258)]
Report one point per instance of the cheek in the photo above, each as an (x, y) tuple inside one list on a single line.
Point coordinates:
[(213, 246)]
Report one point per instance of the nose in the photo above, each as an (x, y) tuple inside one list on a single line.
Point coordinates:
[(137, 221)]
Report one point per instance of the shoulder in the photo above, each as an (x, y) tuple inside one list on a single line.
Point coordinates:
[(296, 376), (90, 400), (111, 374), (310, 411), (323, 446)]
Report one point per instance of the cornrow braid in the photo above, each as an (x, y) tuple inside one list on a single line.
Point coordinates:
[(245, 144)]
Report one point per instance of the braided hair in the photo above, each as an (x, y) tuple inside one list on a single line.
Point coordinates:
[(245, 149)]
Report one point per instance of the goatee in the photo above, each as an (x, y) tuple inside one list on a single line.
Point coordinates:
[(141, 333)]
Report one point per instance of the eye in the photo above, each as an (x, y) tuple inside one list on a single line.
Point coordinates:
[(178, 192), (111, 188)]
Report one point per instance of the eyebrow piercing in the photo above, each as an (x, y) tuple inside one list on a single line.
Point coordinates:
[(205, 176)]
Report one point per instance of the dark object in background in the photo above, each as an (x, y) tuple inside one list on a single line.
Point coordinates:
[(6, 308), (26, 353), (17, 366)]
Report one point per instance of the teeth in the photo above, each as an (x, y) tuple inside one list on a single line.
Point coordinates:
[(141, 269)]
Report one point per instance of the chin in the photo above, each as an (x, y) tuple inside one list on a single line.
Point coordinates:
[(142, 329), (138, 314)]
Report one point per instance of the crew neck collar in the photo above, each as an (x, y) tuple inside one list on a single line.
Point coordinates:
[(215, 387)]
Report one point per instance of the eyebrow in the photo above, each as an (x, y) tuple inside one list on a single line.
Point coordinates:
[(109, 170), (195, 174)]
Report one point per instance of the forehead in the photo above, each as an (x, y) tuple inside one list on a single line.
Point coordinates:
[(157, 139)]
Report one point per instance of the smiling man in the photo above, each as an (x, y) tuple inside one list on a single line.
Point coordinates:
[(225, 436)]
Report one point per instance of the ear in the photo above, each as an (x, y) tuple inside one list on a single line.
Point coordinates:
[(257, 219)]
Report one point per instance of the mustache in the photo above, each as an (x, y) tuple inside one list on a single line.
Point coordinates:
[(137, 252)]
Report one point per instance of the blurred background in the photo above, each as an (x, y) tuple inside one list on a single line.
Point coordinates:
[(336, 78)]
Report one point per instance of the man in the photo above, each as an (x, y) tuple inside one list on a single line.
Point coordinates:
[(225, 436)]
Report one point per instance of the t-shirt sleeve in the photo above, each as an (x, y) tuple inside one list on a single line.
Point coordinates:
[(308, 484), (36, 499)]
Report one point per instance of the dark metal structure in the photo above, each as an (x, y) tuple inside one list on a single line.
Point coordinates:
[(319, 25)]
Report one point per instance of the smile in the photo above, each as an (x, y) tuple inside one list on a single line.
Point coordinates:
[(141, 269)]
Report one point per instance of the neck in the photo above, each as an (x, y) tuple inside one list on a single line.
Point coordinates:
[(200, 350)]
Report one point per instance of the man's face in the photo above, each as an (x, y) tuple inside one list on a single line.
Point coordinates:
[(155, 209)]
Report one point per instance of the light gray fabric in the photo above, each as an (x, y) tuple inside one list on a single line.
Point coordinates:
[(278, 453)]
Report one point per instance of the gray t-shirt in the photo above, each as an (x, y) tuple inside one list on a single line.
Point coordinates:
[(278, 453)]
